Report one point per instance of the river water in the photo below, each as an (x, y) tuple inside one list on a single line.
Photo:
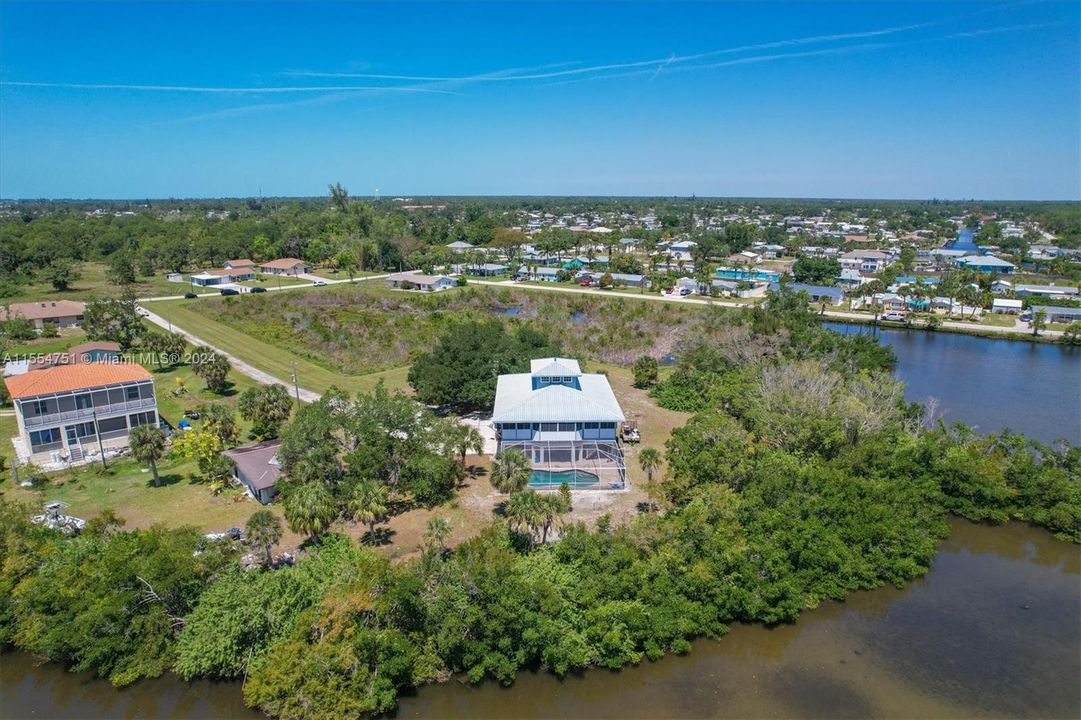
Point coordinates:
[(1034, 388), (993, 630)]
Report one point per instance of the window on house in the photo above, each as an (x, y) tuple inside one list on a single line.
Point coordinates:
[(84, 402), (132, 392), (38, 407), (144, 418), (44, 437)]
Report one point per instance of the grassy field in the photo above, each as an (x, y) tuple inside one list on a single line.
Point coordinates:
[(94, 282), (269, 357), (352, 331)]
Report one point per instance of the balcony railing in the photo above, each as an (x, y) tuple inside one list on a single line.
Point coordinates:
[(84, 414)]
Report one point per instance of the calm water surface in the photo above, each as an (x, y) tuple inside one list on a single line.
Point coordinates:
[(992, 631), (1034, 388)]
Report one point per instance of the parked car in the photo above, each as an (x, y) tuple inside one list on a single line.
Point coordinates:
[(586, 282), (190, 295), (229, 291), (894, 316), (684, 291), (258, 289), (320, 283)]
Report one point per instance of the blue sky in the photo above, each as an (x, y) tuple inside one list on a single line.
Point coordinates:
[(204, 99)]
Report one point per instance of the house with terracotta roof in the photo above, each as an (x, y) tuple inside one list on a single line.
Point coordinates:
[(68, 412), (240, 264), (61, 313), (285, 266)]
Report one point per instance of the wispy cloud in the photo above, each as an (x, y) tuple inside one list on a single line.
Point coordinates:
[(230, 90)]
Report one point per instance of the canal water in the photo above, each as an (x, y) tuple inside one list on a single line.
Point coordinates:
[(988, 384), (992, 631)]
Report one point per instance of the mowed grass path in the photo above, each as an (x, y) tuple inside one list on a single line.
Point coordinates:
[(269, 358)]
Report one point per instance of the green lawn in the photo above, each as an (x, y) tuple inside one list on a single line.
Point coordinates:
[(93, 282), (332, 274), (66, 338), (272, 359), (127, 487), (998, 319)]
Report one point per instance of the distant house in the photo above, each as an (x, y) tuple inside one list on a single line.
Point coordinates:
[(256, 467), (285, 266), (986, 264), (745, 257), (850, 278), (419, 281), (61, 313), (865, 261), (240, 265), (459, 246), (210, 278), (1059, 291), (483, 269), (1006, 306), (817, 293), (546, 274), (1001, 287), (1059, 314)]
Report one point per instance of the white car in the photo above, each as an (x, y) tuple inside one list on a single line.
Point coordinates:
[(894, 316), (320, 283)]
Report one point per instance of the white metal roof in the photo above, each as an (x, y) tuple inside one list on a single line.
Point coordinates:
[(517, 401), (554, 367)]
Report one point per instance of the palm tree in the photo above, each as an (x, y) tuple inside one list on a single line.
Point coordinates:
[(436, 533), (309, 507), (464, 438), (549, 508), (649, 460), (511, 470), (369, 504), (522, 510), (264, 530), (148, 445), (1039, 321)]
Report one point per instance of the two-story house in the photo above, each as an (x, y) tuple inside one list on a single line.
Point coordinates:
[(565, 421), (68, 412)]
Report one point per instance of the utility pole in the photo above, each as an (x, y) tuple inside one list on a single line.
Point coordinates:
[(97, 432), (296, 383)]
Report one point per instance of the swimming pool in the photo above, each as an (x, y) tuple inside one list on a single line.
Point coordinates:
[(550, 478)]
